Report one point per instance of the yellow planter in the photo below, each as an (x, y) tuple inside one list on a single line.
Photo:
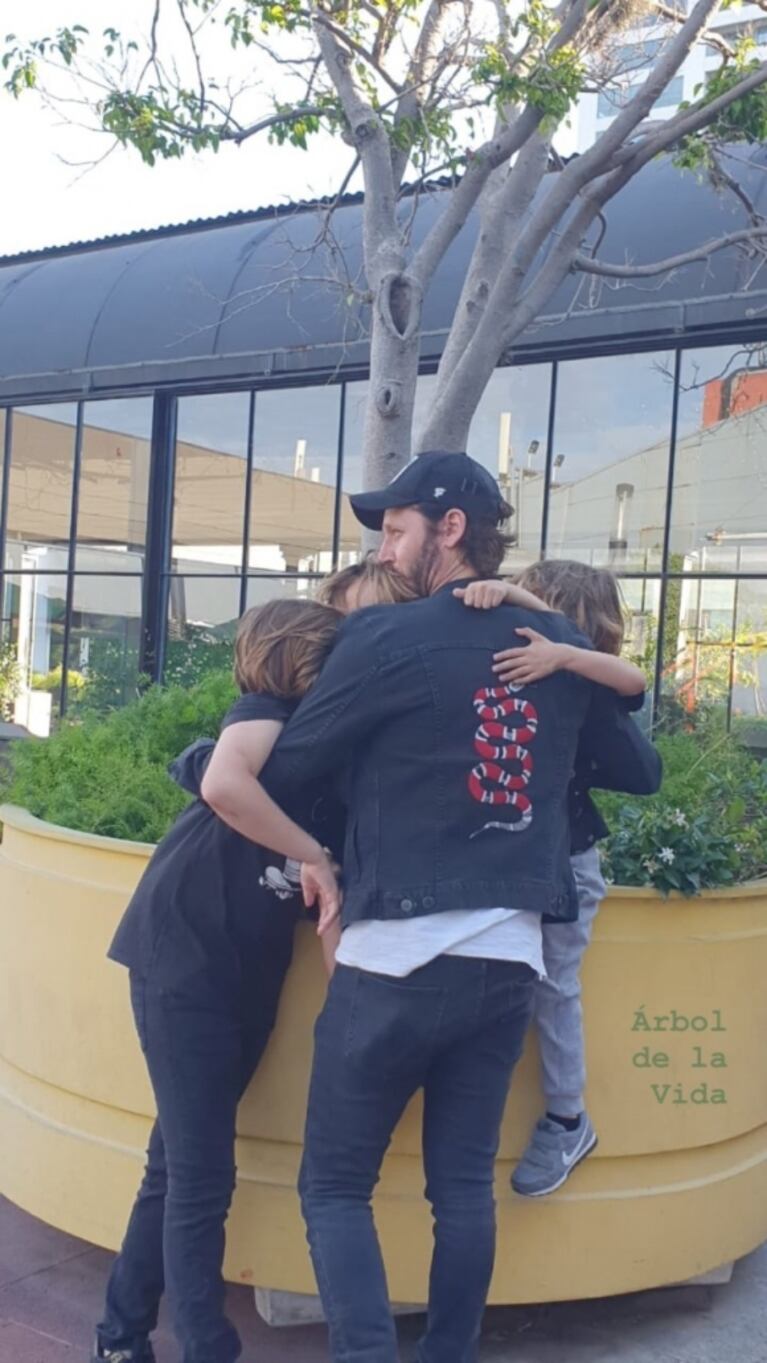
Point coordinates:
[(677, 1185)]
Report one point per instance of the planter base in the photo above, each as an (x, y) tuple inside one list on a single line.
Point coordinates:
[(675, 1015)]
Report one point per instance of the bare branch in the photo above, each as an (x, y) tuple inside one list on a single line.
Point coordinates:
[(587, 265), (709, 36)]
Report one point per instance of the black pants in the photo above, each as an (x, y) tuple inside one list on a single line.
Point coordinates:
[(455, 1028), (200, 1057)]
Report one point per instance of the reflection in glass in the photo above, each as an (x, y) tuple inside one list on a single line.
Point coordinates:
[(263, 589), (202, 621), (715, 654), (33, 609), (719, 508), (40, 487), (508, 436), (294, 474), (211, 471), (114, 481), (611, 452), (104, 644)]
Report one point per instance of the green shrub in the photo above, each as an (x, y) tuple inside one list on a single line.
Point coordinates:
[(10, 680), (108, 775), (706, 827)]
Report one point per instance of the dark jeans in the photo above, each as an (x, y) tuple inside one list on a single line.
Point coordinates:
[(200, 1057), (454, 1028)]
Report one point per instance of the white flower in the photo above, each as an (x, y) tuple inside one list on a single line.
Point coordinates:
[(666, 855), (680, 818), (650, 866)]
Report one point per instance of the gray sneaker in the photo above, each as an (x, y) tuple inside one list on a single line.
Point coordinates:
[(142, 1353), (551, 1156)]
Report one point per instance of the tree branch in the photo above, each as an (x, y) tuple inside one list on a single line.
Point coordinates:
[(586, 265), (481, 165)]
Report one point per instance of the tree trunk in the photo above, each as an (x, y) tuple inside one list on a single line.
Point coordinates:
[(394, 354)]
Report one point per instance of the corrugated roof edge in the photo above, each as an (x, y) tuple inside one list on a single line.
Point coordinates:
[(207, 224)]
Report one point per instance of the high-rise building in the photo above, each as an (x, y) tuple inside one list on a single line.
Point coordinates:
[(629, 63)]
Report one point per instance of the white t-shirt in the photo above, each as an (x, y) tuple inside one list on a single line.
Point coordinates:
[(397, 947)]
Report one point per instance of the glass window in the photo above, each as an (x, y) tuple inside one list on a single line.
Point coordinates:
[(508, 436), (611, 101), (211, 472), (34, 608), (114, 481), (2, 494), (104, 644), (640, 53), (641, 599), (294, 475), (715, 663), (202, 621), (263, 589), (719, 507), (40, 486), (607, 500)]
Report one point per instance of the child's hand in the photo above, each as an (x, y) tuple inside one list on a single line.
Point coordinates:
[(483, 596), (531, 662), (320, 885)]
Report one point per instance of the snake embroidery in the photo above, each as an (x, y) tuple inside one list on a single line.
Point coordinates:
[(508, 725)]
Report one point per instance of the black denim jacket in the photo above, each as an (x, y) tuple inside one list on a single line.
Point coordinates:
[(457, 787)]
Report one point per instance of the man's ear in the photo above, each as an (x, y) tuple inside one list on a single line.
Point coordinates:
[(453, 527)]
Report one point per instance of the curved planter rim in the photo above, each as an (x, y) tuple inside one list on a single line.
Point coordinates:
[(16, 817)]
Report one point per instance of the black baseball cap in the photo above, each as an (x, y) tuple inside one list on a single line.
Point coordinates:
[(439, 479)]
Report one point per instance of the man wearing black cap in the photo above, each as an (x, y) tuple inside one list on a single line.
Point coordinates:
[(457, 844)]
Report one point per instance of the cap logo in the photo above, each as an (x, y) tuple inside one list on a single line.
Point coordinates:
[(439, 492)]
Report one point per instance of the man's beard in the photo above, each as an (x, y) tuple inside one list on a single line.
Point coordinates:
[(421, 572)]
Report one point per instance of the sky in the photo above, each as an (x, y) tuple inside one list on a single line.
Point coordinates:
[(49, 202)]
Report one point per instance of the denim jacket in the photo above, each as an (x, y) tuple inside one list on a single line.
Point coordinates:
[(457, 786)]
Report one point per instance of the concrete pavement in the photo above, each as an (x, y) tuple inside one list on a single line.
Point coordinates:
[(51, 1288)]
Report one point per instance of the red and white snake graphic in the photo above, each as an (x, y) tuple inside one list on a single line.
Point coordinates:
[(508, 724)]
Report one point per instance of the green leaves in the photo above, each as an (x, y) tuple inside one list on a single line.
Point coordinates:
[(551, 83), (744, 120), (108, 775), (706, 828)]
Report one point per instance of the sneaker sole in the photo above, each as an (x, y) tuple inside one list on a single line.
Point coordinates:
[(552, 1187)]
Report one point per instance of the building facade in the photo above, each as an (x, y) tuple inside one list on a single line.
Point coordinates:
[(180, 422), (630, 61)]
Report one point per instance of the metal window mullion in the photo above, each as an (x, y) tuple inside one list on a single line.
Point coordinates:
[(5, 497), (660, 637), (550, 433), (72, 556), (247, 507), (337, 507), (154, 623)]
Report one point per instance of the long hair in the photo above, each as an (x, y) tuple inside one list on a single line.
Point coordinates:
[(387, 586), (589, 596), (280, 647)]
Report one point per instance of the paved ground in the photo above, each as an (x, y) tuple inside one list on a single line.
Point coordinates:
[(51, 1287)]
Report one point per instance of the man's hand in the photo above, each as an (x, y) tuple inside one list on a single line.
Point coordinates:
[(483, 596), (320, 886), (532, 661)]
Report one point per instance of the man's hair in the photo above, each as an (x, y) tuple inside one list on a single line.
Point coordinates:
[(589, 596), (280, 647), (484, 542), (390, 587)]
